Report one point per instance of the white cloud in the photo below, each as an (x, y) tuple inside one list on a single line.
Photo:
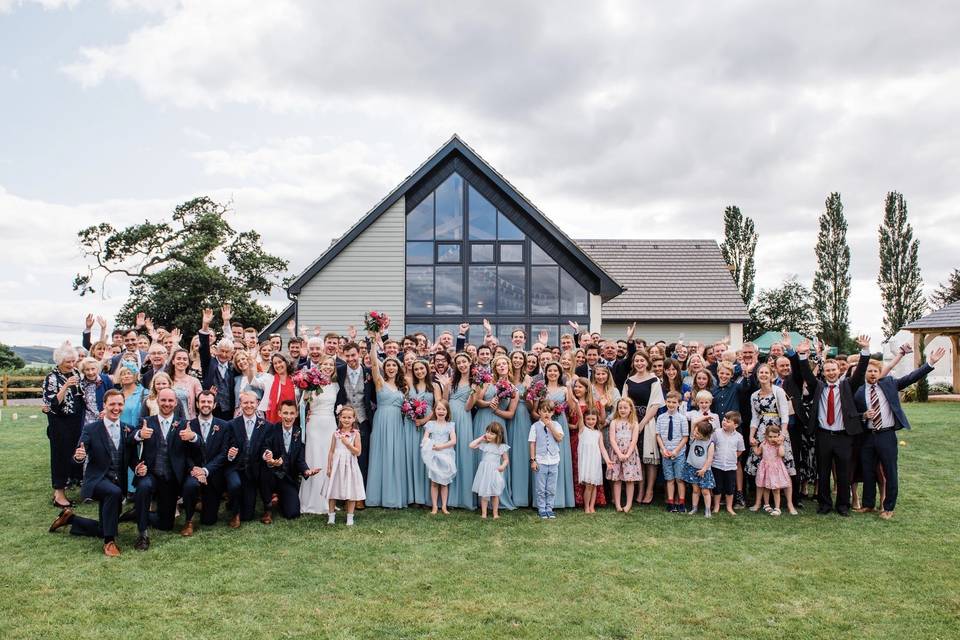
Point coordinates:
[(6, 6)]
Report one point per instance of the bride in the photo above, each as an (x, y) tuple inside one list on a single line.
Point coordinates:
[(321, 424)]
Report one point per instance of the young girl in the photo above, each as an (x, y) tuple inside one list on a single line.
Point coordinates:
[(436, 449), (583, 394), (590, 451), (489, 481), (696, 471), (344, 480), (624, 465), (772, 473)]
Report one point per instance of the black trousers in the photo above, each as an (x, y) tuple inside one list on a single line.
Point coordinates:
[(833, 450), (242, 490), (880, 446), (64, 434), (796, 447), (109, 495), (165, 491), (365, 428), (210, 495), (288, 494)]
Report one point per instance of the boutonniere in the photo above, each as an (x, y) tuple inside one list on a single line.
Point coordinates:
[(295, 436), (216, 428), (176, 424)]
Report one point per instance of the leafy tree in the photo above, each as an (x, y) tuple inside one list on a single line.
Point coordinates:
[(738, 248), (9, 359), (178, 267), (831, 282), (901, 288), (948, 292), (788, 306)]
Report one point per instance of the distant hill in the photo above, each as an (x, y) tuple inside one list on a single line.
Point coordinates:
[(35, 355)]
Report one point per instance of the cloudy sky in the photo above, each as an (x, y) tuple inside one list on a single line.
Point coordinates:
[(615, 118)]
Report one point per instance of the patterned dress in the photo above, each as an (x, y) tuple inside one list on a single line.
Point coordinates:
[(644, 393), (628, 470), (461, 489), (418, 481), (765, 408)]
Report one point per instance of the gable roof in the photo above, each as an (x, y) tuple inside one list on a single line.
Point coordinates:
[(608, 286), (279, 321), (946, 318), (668, 281)]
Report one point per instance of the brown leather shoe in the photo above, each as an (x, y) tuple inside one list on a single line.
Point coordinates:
[(267, 517), (187, 530), (62, 520), (361, 505), (235, 521), (111, 550), (886, 515)]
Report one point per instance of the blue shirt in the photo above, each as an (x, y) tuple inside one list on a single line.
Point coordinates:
[(681, 429), (547, 447)]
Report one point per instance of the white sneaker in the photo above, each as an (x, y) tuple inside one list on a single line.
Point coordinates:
[(332, 518), (349, 519)]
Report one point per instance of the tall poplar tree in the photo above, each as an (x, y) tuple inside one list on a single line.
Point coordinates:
[(901, 288), (831, 282), (738, 248)]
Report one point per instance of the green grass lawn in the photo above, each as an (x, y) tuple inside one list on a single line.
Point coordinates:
[(407, 574)]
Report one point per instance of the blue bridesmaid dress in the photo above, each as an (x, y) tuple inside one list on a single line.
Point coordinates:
[(387, 475), (565, 477), (418, 482), (461, 489), (480, 422), (519, 473)]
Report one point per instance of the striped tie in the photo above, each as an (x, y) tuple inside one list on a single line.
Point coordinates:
[(875, 406)]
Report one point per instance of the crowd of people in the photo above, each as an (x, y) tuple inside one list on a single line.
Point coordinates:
[(328, 422)]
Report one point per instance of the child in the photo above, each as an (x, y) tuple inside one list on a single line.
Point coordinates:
[(545, 437), (344, 480), (772, 473), (696, 470), (438, 455), (285, 463), (728, 445), (489, 482), (590, 451), (624, 465), (672, 435)]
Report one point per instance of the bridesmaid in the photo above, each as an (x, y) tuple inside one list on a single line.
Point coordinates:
[(387, 476), (421, 387), (461, 398), (645, 390), (558, 391), (499, 411), (519, 476)]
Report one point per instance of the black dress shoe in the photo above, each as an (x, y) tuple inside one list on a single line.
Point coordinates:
[(844, 512), (130, 515), (822, 510), (142, 543)]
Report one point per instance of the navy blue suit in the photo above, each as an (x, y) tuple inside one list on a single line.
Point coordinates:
[(243, 472), (880, 445), (162, 483), (209, 453), (210, 372), (285, 479), (366, 427), (97, 481)]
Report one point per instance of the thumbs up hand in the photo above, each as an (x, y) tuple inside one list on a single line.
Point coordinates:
[(187, 435), (80, 454), (145, 431)]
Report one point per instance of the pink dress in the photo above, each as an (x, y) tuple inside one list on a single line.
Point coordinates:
[(772, 472)]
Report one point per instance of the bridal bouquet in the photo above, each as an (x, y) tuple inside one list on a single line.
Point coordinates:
[(310, 380), (505, 389), (559, 408), (536, 392), (480, 375), (414, 408), (376, 321)]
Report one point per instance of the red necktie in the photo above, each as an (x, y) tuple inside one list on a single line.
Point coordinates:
[(831, 411)]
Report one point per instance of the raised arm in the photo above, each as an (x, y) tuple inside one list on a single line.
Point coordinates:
[(856, 380)]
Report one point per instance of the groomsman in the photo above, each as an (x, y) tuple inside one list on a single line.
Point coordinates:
[(284, 463), (209, 457), (835, 420), (163, 444), (104, 446), (879, 402), (248, 435), (357, 390), (217, 371)]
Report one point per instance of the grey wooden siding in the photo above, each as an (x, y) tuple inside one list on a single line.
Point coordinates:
[(367, 275), (670, 332)]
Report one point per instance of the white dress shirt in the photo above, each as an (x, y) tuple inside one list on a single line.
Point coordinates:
[(886, 419)]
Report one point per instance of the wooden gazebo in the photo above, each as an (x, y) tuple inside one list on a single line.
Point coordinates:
[(942, 322)]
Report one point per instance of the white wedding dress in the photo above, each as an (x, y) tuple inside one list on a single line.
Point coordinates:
[(321, 424)]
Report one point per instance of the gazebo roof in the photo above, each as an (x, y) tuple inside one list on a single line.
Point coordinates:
[(946, 318)]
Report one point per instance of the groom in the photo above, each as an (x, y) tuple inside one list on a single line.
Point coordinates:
[(357, 390)]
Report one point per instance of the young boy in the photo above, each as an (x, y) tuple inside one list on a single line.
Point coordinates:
[(284, 464), (728, 445), (672, 435), (545, 437)]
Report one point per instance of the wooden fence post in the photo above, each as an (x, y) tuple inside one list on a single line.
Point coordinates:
[(6, 382)]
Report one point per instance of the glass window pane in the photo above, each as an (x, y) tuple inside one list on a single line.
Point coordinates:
[(419, 253), (543, 291), (573, 297), (419, 290), (483, 217), (420, 328), (450, 209), (447, 252), (505, 333), (449, 290), (482, 288), (539, 256), (553, 335), (512, 290), (454, 329), (506, 230), (477, 333), (481, 252), (420, 220), (511, 252)]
